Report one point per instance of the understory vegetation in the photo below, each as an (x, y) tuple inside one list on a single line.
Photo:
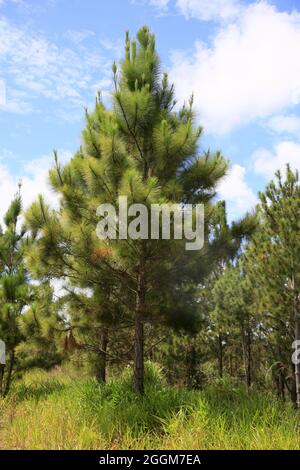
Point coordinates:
[(57, 410)]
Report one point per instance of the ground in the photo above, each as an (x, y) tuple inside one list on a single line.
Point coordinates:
[(58, 410)]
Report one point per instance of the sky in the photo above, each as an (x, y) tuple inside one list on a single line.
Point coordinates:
[(240, 58)]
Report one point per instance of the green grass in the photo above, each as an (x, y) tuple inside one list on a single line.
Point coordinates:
[(54, 411)]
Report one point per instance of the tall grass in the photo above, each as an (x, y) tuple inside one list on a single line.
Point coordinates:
[(52, 411)]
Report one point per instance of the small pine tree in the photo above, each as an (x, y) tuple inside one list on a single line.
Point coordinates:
[(273, 258), (232, 298), (15, 291), (42, 327)]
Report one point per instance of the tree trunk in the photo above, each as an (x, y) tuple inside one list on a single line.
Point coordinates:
[(102, 356), (192, 379), (231, 365), (249, 359), (247, 355), (9, 372), (279, 381), (2, 368), (245, 359), (290, 383), (220, 358), (138, 381), (297, 339)]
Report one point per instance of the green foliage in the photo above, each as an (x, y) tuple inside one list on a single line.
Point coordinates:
[(143, 149), (54, 412), (15, 291), (272, 263)]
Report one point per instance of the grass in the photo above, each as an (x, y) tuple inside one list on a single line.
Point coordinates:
[(54, 411)]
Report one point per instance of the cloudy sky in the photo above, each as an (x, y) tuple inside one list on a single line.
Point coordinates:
[(240, 58)]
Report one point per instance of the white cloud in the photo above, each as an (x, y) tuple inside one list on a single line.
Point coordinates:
[(285, 124), (207, 10), (30, 63), (266, 162), (15, 106), (235, 191), (34, 178), (77, 37), (17, 2), (251, 70), (160, 4), (2, 93)]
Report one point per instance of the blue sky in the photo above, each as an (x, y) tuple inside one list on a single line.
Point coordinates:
[(240, 58)]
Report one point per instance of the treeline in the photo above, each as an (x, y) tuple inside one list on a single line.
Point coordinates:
[(227, 310)]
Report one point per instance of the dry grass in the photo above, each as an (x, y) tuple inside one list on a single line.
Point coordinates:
[(54, 411)]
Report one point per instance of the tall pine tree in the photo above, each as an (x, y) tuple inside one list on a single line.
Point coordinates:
[(146, 150)]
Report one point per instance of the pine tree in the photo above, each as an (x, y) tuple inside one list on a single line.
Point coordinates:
[(233, 315), (42, 328), (228, 240), (146, 150), (95, 323), (66, 247), (273, 258), (15, 292)]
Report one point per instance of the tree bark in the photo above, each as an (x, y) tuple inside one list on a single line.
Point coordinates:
[(280, 386), (2, 368), (290, 384), (247, 355), (249, 359), (9, 372), (231, 365), (138, 380), (297, 338), (246, 361), (244, 357), (220, 358), (102, 356), (192, 379)]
